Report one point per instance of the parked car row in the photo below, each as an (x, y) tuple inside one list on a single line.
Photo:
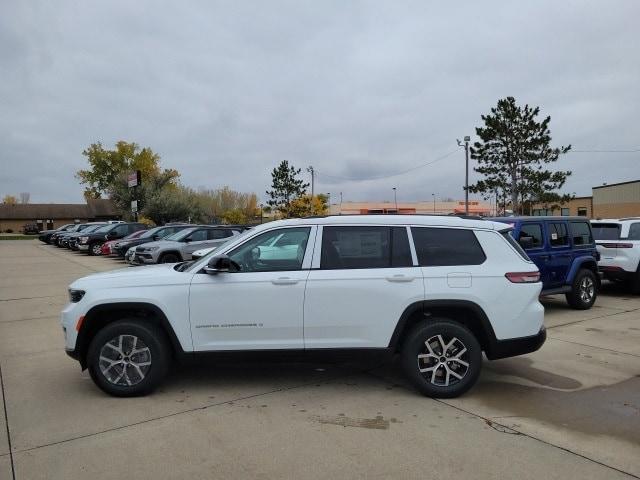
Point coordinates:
[(138, 244)]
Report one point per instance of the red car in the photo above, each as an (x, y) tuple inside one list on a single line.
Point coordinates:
[(106, 246)]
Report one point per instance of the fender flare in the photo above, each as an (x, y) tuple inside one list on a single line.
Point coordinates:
[(578, 263)]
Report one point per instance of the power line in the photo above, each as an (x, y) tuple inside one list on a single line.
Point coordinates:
[(604, 151), (379, 177)]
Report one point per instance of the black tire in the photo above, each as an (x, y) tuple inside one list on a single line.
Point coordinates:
[(584, 290), (169, 258), (149, 335), (94, 248), (429, 382)]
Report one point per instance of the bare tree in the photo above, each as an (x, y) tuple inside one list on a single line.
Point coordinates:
[(24, 197)]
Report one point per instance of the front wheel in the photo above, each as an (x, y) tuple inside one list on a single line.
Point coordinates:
[(128, 357), (95, 249), (442, 358), (584, 290), (169, 258)]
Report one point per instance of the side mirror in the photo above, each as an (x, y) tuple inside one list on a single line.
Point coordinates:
[(156, 237), (526, 242), (112, 235), (221, 264), (188, 239)]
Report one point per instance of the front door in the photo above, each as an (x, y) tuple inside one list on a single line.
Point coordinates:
[(259, 307), (361, 282)]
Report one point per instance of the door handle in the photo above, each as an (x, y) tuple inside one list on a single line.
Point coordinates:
[(400, 278), (284, 281)]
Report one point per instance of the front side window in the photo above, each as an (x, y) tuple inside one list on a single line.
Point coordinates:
[(218, 233), (197, 236), (581, 233), (558, 235), (533, 231), (276, 250), (438, 247), (364, 247)]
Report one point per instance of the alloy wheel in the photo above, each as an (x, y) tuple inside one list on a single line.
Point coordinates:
[(587, 289), (125, 360), (444, 361)]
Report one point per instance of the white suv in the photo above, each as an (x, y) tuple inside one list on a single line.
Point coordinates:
[(437, 290), (618, 242)]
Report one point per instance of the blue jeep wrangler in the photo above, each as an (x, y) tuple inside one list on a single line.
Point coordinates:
[(564, 251)]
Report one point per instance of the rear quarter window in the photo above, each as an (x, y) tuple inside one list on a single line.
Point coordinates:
[(439, 247)]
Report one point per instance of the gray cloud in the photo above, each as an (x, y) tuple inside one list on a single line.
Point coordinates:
[(225, 90)]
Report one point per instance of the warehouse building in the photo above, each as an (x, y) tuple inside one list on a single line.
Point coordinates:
[(617, 200)]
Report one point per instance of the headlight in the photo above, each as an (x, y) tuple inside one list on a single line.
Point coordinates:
[(150, 249), (83, 239), (75, 295)]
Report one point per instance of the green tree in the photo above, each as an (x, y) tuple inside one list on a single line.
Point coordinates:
[(512, 154), (234, 217), (219, 202), (178, 204), (108, 166), (285, 187)]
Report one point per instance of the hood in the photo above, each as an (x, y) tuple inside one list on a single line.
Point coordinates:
[(132, 277)]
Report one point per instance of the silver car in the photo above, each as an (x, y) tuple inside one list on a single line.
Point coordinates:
[(179, 246)]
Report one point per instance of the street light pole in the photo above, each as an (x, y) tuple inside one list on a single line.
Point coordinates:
[(466, 172), (434, 202), (395, 199)]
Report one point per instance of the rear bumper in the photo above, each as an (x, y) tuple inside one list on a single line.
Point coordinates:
[(517, 346)]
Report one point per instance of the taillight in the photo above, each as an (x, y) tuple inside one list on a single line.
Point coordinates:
[(523, 277), (616, 245)]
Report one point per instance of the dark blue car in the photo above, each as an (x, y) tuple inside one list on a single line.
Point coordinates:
[(564, 251)]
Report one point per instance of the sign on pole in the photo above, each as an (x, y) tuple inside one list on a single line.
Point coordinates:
[(134, 206), (133, 179)]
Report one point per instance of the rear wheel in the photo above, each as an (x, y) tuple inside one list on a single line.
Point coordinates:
[(95, 249), (169, 258), (442, 358), (584, 290), (128, 357), (635, 282)]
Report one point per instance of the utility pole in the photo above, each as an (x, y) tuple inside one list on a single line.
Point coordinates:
[(434, 203), (312, 172), (395, 199), (340, 204), (466, 172)]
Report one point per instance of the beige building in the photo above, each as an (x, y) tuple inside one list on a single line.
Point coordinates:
[(54, 215), (617, 200), (578, 206), (411, 208)]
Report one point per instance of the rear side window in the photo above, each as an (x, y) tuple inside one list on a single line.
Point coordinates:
[(534, 231), (364, 247), (558, 235), (634, 231), (218, 233), (439, 247), (581, 233), (606, 231)]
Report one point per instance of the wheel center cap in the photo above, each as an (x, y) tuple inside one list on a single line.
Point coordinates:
[(443, 359)]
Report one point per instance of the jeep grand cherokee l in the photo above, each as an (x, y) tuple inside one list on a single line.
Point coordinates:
[(432, 289)]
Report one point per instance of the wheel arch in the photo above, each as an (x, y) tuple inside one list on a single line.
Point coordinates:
[(170, 252), (579, 263), (465, 312), (102, 315)]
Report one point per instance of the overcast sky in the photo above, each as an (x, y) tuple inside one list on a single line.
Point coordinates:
[(225, 90)]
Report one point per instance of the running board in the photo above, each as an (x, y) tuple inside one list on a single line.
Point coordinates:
[(556, 291)]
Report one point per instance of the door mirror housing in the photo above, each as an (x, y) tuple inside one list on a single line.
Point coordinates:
[(526, 242), (221, 264)]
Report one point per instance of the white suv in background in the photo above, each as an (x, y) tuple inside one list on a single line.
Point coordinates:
[(618, 242), (438, 291)]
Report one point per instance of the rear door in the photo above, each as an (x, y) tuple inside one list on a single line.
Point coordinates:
[(362, 279), (560, 255)]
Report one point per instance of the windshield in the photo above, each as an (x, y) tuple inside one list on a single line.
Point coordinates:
[(176, 237), (104, 228), (92, 228), (150, 233), (606, 231)]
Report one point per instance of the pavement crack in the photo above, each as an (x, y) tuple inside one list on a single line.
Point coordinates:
[(595, 346), (594, 318), (6, 422), (27, 298)]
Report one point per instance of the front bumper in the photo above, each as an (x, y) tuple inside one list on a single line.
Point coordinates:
[(516, 346), (83, 248), (142, 259)]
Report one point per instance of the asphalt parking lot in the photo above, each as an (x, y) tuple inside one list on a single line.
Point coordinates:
[(570, 410)]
